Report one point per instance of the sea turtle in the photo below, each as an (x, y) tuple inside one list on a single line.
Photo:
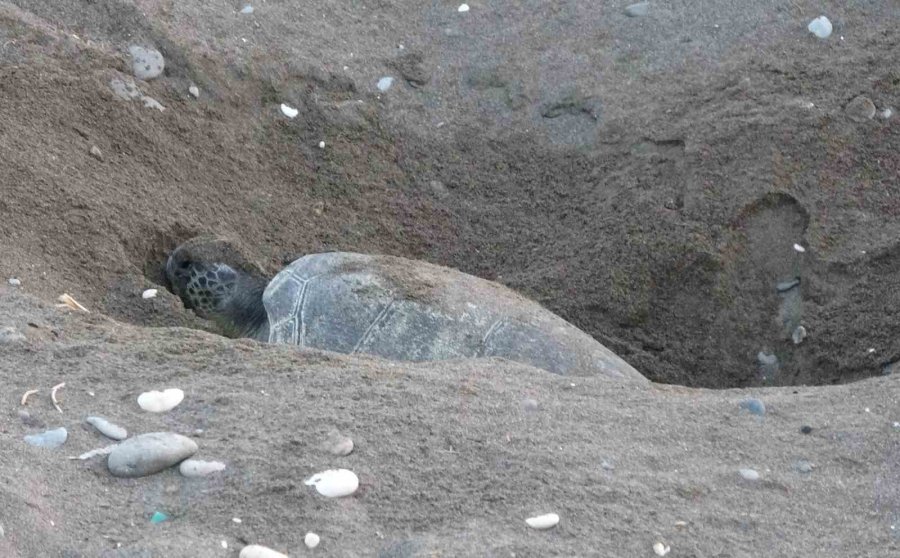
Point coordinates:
[(392, 307)]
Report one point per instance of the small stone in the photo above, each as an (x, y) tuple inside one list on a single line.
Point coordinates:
[(146, 63), (95, 452), (799, 335), (749, 474), (96, 153), (799, 248), (14, 282), (160, 401), (463, 8), (289, 111), (124, 90), (820, 27), (107, 428), (10, 336), (887, 113), (321, 145), (803, 466), (638, 10), (531, 405), (334, 483), (661, 549), (753, 405), (48, 439), (196, 468), (158, 517), (806, 429), (338, 444), (150, 102), (257, 551), (194, 91), (149, 453), (246, 10), (385, 83), (149, 293), (546, 521), (607, 466), (236, 520), (860, 109), (311, 540)]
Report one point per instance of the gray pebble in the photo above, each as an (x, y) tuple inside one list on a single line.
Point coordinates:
[(803, 466), (248, 9), (638, 10), (753, 405), (107, 428), (198, 468), (146, 63), (10, 335), (14, 281), (194, 91), (125, 90), (149, 453), (96, 153), (150, 102), (860, 109), (749, 474), (531, 405), (49, 439), (385, 83)]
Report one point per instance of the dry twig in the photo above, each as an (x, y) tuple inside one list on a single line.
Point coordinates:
[(53, 395), (27, 394)]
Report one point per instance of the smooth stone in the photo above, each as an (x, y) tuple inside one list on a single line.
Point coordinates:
[(463, 8), (545, 521), (14, 281), (803, 466), (749, 474), (125, 90), (149, 293), (194, 91), (160, 401), (753, 405), (385, 83), (248, 9), (48, 439), (149, 453), (806, 429), (10, 335), (150, 102), (338, 444), (311, 540), (289, 111), (198, 468), (107, 428), (820, 27), (146, 63), (257, 551), (334, 483), (638, 10), (798, 335), (96, 153), (860, 109)]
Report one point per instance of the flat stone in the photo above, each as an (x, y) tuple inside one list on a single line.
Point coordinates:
[(107, 428), (49, 439), (754, 406), (146, 63), (258, 551), (10, 336), (149, 453), (860, 109), (803, 466), (96, 153), (197, 468), (638, 10), (194, 91), (14, 282), (749, 474)]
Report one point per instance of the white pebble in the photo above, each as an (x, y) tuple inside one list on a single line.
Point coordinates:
[(149, 293), (660, 549), (194, 90), (820, 27), (545, 521), (107, 428), (236, 520), (14, 282), (248, 9), (311, 540), (463, 8), (749, 474), (385, 83), (257, 551), (799, 248), (289, 111), (334, 483), (160, 401), (887, 113), (224, 544), (198, 468), (321, 145), (798, 335)]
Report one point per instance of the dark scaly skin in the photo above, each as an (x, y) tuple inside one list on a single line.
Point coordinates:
[(216, 291)]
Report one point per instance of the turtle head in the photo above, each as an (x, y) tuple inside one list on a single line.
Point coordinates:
[(211, 278)]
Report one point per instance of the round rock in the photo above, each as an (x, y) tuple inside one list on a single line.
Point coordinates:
[(107, 428), (146, 63), (860, 109), (149, 453)]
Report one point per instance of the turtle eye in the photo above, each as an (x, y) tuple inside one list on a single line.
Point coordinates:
[(184, 265)]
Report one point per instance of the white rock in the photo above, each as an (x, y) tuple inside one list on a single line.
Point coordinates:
[(820, 27), (660, 549), (799, 248), (749, 474), (107, 428), (149, 293), (463, 8), (257, 551), (545, 521), (887, 113), (637, 10), (334, 483), (160, 401), (198, 468), (311, 540), (337, 444), (385, 83), (146, 63), (150, 102), (798, 335), (321, 145), (14, 282), (194, 90), (289, 111), (248, 9)]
